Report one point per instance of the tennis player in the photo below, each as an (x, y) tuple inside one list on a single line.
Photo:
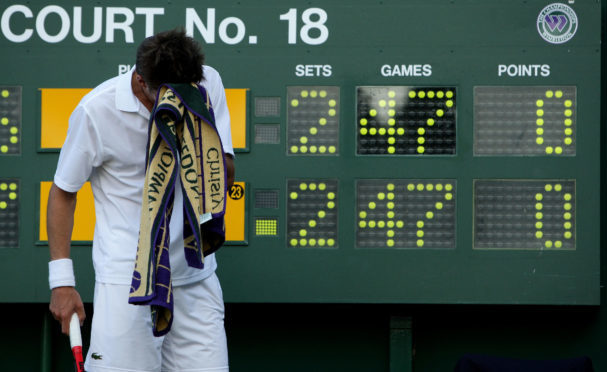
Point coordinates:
[(106, 145)]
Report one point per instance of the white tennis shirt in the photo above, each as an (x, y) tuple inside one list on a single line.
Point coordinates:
[(106, 144)]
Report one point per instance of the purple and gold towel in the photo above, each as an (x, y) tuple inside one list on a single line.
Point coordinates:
[(182, 142)]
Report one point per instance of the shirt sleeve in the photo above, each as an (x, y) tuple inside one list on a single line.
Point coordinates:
[(81, 152), (212, 82)]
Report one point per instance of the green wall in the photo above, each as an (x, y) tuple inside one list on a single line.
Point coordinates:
[(292, 337)]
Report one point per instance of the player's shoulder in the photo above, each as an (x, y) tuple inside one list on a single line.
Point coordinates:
[(104, 91), (211, 75)]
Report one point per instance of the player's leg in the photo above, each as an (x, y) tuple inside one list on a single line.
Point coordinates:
[(121, 334), (197, 340)]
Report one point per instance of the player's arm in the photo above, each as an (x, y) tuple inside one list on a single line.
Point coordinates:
[(65, 300), (231, 169), (80, 153)]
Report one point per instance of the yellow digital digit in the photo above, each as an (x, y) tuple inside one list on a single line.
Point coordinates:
[(566, 120), (313, 120), (10, 120), (312, 213), (9, 212)]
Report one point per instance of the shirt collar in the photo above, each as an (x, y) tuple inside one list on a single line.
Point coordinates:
[(125, 99)]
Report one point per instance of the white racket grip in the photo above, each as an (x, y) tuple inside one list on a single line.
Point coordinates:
[(75, 336)]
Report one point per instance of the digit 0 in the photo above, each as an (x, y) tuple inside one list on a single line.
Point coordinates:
[(567, 121)]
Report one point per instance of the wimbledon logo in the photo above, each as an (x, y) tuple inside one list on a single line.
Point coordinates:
[(557, 23)]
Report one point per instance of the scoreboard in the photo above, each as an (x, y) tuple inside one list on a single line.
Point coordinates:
[(386, 151)]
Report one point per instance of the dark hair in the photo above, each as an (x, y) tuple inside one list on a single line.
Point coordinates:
[(169, 57)]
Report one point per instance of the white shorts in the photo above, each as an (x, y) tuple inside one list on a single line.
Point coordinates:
[(122, 339)]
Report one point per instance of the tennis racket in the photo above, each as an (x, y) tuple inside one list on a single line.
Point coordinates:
[(76, 342)]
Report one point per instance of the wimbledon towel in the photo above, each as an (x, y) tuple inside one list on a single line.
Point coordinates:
[(182, 142)]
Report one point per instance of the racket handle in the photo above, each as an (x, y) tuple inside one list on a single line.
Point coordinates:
[(76, 342), (75, 336)]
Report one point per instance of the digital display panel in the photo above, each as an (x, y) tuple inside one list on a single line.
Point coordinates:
[(267, 226), (403, 213), (524, 120), (313, 120), (312, 210), (405, 120), (267, 106), (10, 120), (9, 213), (524, 214), (266, 199), (267, 133)]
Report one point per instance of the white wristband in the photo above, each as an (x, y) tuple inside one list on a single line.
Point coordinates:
[(61, 273)]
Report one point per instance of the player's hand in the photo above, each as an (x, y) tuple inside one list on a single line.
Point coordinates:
[(64, 302)]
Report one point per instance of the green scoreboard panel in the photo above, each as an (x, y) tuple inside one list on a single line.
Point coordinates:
[(10, 120), (313, 121), (406, 213), (312, 213), (416, 151), (400, 120), (524, 120), (524, 214)]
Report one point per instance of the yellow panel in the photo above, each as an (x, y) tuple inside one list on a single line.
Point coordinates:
[(237, 104), (57, 106), (84, 216), (235, 213)]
